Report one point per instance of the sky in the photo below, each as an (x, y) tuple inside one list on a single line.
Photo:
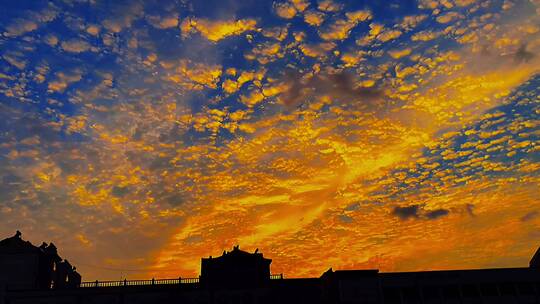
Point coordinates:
[(140, 136)]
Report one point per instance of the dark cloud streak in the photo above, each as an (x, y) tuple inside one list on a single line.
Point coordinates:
[(417, 212), (405, 213), (435, 214)]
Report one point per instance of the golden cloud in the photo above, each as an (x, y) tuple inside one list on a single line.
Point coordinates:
[(314, 18), (217, 30), (285, 10)]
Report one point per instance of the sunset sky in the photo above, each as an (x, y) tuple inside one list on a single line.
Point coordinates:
[(140, 136)]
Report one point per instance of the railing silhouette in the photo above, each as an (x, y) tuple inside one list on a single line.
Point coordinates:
[(152, 282), (276, 276)]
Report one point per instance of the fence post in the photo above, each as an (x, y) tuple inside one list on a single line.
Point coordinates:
[(125, 282), (179, 280), (281, 276), (96, 283), (153, 281)]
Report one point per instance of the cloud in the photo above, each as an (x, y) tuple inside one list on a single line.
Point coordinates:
[(407, 212), (120, 15), (285, 10), (435, 214), (410, 22), (119, 191), (329, 6), (75, 46), (399, 53), (418, 211), (448, 17), (314, 18), (319, 50), (51, 40), (193, 75), (265, 52), (425, 36), (339, 86), (93, 29), (19, 27), (341, 28), (470, 209), (465, 2), (522, 55), (217, 30), (31, 22), (63, 80), (14, 61), (164, 22), (529, 216), (388, 35)]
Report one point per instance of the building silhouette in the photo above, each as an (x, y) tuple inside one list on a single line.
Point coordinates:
[(24, 266), (236, 268), (30, 274)]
